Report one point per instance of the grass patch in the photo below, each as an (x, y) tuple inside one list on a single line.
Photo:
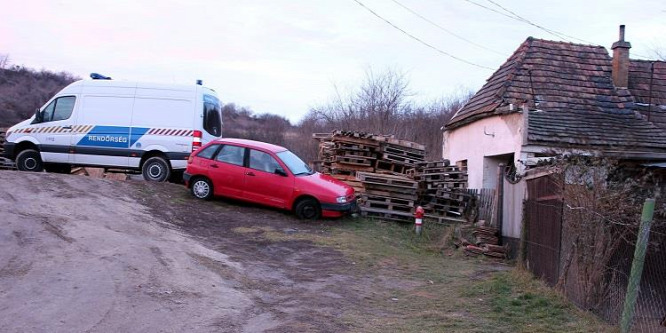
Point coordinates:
[(420, 284)]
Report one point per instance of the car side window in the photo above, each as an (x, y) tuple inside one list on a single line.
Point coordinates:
[(231, 154), (60, 109), (208, 152), (262, 161)]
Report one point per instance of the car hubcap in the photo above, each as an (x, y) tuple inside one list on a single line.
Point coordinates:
[(309, 211), (201, 189), (30, 163), (155, 171)]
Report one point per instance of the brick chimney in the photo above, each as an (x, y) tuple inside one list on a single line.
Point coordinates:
[(621, 61)]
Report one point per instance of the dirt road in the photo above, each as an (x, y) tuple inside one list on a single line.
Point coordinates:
[(81, 254)]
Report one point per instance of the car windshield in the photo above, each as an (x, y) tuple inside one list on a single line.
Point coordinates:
[(294, 163)]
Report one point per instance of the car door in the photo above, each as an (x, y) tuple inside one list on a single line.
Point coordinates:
[(263, 184), (54, 130), (227, 171)]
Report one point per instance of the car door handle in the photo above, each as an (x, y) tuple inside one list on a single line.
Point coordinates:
[(214, 166), (250, 173), (69, 127)]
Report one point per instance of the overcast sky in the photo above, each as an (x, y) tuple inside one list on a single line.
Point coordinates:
[(284, 57)]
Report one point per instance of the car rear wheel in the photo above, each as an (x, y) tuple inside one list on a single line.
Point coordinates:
[(201, 188), (308, 209), (156, 169), (29, 160)]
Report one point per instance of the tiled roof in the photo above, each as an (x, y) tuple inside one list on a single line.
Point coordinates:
[(649, 87), (571, 85)]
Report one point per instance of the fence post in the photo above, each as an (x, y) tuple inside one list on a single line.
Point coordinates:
[(637, 266)]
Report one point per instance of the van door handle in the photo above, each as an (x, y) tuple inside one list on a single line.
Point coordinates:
[(250, 173), (69, 127), (214, 166)]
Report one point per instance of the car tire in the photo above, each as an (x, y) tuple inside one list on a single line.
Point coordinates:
[(307, 209), (29, 160), (156, 169), (201, 188)]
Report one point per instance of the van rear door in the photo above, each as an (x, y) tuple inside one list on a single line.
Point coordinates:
[(212, 118)]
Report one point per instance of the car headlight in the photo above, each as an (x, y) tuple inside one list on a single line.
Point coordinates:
[(341, 199)]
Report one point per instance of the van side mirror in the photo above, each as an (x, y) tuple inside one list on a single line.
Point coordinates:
[(38, 117), (279, 171)]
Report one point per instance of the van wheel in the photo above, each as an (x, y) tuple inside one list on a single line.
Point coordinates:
[(308, 209), (156, 169), (29, 160), (201, 188)]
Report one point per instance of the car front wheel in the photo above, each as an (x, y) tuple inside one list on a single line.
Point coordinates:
[(29, 160), (308, 209), (201, 188)]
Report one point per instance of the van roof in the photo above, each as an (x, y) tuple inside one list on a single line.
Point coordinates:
[(252, 143)]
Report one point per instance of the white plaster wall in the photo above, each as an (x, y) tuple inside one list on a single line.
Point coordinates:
[(470, 143)]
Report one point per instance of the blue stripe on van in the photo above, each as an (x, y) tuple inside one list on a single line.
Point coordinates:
[(112, 136)]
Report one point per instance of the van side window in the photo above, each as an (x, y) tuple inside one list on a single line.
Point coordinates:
[(60, 109), (262, 161), (208, 152), (231, 154), (212, 121)]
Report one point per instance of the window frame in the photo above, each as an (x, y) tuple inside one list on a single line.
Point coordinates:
[(217, 147), (244, 161), (54, 102), (249, 165)]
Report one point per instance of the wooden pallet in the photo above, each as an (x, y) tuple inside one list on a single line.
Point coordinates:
[(388, 180), (385, 214)]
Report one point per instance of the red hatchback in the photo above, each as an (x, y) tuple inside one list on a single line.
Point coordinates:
[(266, 174)]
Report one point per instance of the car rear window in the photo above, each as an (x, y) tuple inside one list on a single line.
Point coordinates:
[(231, 154), (208, 152)]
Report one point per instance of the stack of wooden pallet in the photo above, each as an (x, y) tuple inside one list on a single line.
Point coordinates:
[(388, 197), (346, 153), (442, 190)]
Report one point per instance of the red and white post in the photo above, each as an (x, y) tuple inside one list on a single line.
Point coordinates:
[(418, 219)]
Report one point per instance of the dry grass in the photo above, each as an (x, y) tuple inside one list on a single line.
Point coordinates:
[(418, 288)]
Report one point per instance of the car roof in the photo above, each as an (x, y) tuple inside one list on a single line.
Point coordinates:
[(253, 144)]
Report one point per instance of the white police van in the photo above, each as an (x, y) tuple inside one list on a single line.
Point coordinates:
[(119, 125)]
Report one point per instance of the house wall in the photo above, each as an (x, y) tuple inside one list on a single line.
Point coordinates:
[(503, 135), (484, 144)]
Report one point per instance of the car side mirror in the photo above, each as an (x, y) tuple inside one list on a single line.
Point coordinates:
[(279, 171)]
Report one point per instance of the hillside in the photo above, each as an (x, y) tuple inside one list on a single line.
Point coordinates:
[(23, 90)]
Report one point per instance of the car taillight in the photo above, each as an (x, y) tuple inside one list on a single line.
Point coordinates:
[(196, 140)]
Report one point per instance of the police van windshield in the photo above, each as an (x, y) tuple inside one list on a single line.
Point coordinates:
[(212, 119)]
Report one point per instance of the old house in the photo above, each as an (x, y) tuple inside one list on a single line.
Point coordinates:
[(550, 97)]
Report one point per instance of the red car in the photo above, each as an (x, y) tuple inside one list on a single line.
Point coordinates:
[(266, 174)]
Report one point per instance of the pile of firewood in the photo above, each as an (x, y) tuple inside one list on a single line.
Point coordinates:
[(485, 243)]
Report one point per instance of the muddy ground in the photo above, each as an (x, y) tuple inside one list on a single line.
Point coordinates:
[(91, 255)]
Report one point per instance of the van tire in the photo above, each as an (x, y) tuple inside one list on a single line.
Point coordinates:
[(307, 209), (156, 169), (201, 188), (29, 160)]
